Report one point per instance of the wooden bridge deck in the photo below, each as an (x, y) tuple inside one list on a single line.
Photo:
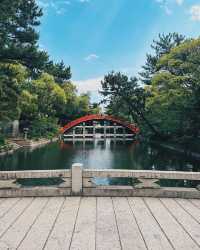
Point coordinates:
[(99, 223)]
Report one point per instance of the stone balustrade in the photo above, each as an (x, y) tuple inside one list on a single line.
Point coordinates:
[(80, 181)]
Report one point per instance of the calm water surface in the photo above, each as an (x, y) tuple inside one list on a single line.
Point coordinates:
[(99, 155)]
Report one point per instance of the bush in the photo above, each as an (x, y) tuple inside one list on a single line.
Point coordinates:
[(46, 127), (2, 140)]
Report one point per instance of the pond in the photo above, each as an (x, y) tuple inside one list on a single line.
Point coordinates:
[(99, 155)]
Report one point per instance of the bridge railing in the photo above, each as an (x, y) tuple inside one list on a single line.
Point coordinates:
[(80, 181), (10, 183)]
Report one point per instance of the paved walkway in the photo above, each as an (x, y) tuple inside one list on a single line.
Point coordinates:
[(99, 223)]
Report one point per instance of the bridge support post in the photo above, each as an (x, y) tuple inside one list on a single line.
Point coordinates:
[(94, 129), (74, 133), (83, 129), (104, 129), (124, 134), (115, 131), (77, 179)]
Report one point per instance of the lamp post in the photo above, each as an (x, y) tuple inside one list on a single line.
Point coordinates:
[(26, 133)]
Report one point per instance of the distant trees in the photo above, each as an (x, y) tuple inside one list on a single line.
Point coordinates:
[(160, 47), (126, 98), (33, 89), (61, 73), (175, 100), (167, 103), (12, 77), (18, 36)]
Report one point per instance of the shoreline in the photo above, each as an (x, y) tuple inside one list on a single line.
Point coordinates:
[(33, 143), (21, 143)]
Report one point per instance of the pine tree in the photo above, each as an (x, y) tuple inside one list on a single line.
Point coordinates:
[(18, 37), (160, 47)]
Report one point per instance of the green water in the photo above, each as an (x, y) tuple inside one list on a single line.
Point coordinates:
[(99, 155)]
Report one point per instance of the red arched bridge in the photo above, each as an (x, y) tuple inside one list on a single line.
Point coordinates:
[(91, 125)]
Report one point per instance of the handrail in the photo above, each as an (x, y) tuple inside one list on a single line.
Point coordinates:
[(30, 174), (148, 174), (80, 181)]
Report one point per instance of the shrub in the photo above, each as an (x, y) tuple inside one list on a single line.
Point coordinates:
[(2, 140), (43, 127)]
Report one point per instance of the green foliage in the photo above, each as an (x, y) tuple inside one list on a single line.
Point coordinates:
[(4, 145), (161, 47), (120, 93), (28, 105), (60, 72), (39, 93), (2, 140), (50, 96), (169, 104), (174, 104), (11, 78), (18, 40), (33, 89), (43, 126)]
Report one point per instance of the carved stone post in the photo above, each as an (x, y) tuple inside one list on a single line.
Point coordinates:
[(77, 179)]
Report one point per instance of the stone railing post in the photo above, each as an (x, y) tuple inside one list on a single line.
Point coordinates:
[(77, 179)]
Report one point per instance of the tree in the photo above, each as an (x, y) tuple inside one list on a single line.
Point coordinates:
[(167, 105), (50, 96), (182, 63), (118, 89), (82, 105), (162, 46), (18, 37), (95, 108), (28, 106), (61, 73), (32, 88), (12, 76)]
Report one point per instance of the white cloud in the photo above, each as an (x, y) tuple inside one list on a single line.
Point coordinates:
[(92, 86), (91, 57), (195, 12), (179, 2), (89, 85), (42, 4), (59, 6), (167, 5)]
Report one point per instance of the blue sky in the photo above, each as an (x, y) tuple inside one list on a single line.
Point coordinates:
[(97, 36)]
